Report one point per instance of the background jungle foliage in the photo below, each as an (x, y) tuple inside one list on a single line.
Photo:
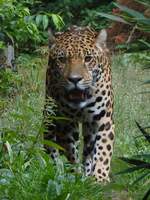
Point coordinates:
[(26, 171)]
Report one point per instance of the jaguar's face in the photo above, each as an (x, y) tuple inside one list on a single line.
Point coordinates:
[(77, 61), (79, 75)]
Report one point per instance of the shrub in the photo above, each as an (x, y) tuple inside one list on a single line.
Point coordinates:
[(131, 25), (20, 26)]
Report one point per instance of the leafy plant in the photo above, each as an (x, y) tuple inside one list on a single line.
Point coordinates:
[(140, 162), (134, 21), (26, 171), (37, 178), (9, 81), (129, 16), (19, 25), (78, 12), (90, 17)]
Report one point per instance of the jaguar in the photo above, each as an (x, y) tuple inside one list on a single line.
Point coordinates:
[(78, 79)]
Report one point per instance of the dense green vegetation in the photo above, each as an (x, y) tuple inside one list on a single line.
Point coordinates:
[(26, 171)]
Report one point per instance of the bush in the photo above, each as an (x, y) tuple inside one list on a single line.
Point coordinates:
[(20, 26)]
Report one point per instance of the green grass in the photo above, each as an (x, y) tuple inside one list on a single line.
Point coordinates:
[(130, 105), (28, 173)]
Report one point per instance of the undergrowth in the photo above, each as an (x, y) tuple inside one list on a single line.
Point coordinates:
[(27, 172)]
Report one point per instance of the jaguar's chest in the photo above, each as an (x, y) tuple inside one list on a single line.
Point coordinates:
[(95, 109)]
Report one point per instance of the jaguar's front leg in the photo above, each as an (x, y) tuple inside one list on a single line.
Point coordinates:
[(50, 134), (68, 142), (103, 147), (64, 135), (89, 140)]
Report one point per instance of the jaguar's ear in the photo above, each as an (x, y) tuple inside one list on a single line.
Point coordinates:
[(51, 37), (101, 38)]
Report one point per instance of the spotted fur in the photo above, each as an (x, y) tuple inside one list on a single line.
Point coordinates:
[(78, 78)]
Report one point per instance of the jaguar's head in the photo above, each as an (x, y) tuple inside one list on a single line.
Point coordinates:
[(78, 58)]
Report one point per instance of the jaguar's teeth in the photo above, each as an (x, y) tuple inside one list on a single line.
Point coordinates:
[(77, 95)]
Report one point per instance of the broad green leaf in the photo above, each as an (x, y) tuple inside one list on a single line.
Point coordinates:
[(112, 17), (34, 28), (57, 20), (30, 30), (29, 18), (38, 19), (26, 11), (45, 21), (144, 21), (130, 11), (61, 22)]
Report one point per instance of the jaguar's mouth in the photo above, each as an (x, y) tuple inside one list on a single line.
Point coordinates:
[(77, 95)]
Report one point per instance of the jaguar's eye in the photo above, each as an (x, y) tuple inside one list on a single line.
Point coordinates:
[(62, 59), (88, 58)]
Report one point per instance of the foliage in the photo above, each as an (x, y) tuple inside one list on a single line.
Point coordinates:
[(135, 18), (135, 22), (26, 171), (25, 23), (20, 26), (147, 67), (90, 18), (77, 12), (32, 175), (9, 81), (129, 16), (22, 154), (141, 162)]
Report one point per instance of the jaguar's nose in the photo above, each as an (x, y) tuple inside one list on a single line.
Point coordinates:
[(75, 79)]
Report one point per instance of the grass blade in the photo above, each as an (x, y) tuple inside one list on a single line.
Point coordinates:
[(9, 150), (146, 134), (140, 178), (52, 144), (135, 161), (146, 195), (129, 170)]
